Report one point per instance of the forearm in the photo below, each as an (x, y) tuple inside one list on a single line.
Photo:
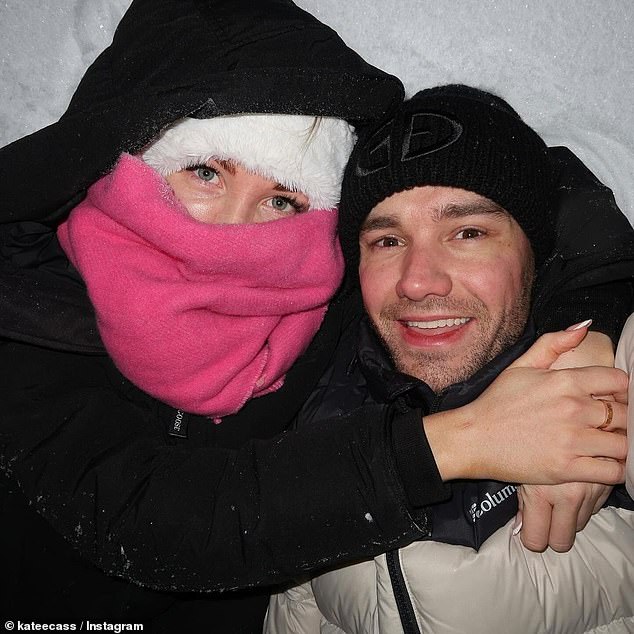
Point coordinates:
[(204, 518)]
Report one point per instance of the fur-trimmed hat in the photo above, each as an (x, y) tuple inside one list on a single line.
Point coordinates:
[(453, 136), (302, 153)]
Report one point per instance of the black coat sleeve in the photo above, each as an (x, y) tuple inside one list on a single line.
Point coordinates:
[(96, 462), (591, 271)]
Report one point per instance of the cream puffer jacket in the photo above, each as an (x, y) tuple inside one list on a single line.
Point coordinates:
[(501, 588)]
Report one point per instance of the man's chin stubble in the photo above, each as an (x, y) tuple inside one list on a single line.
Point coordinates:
[(435, 370), (439, 371)]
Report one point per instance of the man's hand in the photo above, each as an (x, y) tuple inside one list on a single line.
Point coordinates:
[(535, 425), (551, 515)]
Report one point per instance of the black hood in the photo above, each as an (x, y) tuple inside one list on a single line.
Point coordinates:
[(200, 58)]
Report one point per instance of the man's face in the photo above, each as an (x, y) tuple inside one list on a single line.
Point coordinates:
[(446, 277)]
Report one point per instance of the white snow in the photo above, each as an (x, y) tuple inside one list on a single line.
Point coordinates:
[(567, 66)]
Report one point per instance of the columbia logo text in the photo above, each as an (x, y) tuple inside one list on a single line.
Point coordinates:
[(490, 502)]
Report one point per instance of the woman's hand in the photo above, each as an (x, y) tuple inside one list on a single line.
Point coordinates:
[(551, 515), (536, 425)]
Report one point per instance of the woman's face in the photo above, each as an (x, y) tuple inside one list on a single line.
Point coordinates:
[(223, 192)]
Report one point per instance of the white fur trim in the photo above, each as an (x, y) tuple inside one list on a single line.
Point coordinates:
[(278, 147)]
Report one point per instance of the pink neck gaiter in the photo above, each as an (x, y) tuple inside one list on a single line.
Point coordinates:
[(200, 316)]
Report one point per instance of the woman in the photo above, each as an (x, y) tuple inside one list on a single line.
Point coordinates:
[(142, 487), (203, 313), (174, 65)]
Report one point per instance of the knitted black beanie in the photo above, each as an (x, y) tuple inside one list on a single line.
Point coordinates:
[(454, 136)]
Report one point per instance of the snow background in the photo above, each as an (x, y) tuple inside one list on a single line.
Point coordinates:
[(567, 66)]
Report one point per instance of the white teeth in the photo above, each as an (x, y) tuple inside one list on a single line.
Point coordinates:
[(438, 323)]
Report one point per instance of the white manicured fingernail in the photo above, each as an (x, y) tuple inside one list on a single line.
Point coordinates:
[(580, 325)]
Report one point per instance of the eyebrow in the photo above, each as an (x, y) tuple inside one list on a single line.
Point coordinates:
[(388, 221), (230, 166), (449, 211), (281, 188), (475, 208)]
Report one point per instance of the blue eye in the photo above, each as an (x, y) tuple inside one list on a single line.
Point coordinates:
[(282, 204), (287, 204), (206, 173)]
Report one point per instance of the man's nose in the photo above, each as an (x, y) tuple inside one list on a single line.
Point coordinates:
[(423, 273)]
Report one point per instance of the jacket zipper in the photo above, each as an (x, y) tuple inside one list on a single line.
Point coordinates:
[(402, 597)]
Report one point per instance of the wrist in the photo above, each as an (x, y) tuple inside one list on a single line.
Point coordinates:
[(448, 435), (415, 462)]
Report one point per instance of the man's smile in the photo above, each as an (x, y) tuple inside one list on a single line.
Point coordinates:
[(437, 323), (433, 331)]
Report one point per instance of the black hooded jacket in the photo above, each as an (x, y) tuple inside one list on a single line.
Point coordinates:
[(90, 457), (100, 476)]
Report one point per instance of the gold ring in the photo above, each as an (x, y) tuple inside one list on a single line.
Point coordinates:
[(609, 412)]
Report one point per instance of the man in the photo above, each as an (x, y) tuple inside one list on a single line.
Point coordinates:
[(447, 209)]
